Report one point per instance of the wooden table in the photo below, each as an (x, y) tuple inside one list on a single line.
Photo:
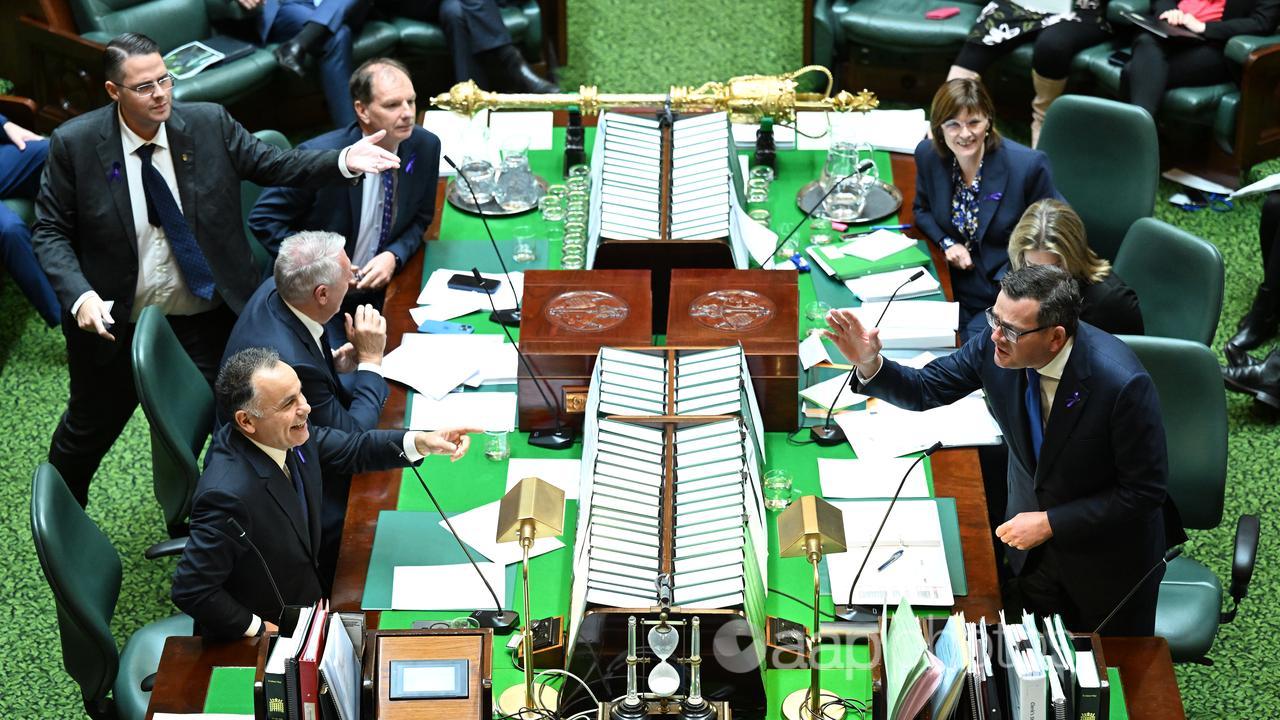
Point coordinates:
[(1146, 669)]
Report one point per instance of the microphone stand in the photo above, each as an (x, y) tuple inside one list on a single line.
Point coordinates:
[(863, 614), (288, 620), (506, 318), (1169, 555), (502, 621), (827, 434)]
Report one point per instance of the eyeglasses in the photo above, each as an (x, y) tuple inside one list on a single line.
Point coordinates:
[(147, 89), (1009, 333), (975, 125)]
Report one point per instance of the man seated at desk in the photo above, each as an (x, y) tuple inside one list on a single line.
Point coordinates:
[(263, 480), (1087, 467), (344, 387), (385, 216)]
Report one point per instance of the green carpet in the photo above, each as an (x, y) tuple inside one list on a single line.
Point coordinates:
[(622, 46)]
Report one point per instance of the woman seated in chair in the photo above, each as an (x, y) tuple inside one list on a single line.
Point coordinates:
[(1051, 233), (972, 186), (1159, 64), (1004, 25)]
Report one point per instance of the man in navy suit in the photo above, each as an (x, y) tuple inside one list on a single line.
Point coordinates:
[(344, 387), (22, 155), (383, 218), (1088, 467), (262, 486)]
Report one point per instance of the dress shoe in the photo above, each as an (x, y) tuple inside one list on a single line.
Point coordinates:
[(289, 55), (1260, 323), (509, 72), (1261, 380), (1237, 357)]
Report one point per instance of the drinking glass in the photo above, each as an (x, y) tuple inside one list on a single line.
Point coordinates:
[(496, 447), (479, 173), (517, 190), (820, 232), (552, 208), (778, 491)]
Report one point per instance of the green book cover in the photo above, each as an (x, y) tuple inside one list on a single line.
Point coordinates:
[(843, 267)]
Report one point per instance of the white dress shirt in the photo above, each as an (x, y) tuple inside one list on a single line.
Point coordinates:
[(316, 330), (1050, 376), (371, 197)]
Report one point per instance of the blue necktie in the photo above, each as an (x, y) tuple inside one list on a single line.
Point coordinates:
[(388, 197), (163, 211), (1033, 411), (295, 474)]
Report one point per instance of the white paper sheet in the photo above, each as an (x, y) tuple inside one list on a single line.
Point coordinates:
[(881, 286), (885, 431), (483, 410), (437, 290), (498, 366), (920, 573), (201, 716), (813, 351), (564, 474), (434, 365), (446, 587), (476, 528), (833, 392), (870, 478), (877, 246)]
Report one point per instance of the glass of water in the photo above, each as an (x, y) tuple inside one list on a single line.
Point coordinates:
[(778, 490), (496, 447), (479, 175)]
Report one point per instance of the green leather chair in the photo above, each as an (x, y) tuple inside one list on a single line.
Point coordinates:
[(83, 570), (179, 408), (1189, 383), (249, 193), (1108, 173), (523, 19), (1178, 278)]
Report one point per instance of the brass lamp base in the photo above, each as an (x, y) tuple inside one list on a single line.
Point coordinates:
[(511, 701), (796, 706)]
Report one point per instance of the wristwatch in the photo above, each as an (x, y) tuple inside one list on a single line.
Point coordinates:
[(946, 243)]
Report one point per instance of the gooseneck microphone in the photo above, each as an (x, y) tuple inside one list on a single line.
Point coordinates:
[(1169, 555), (860, 613), (510, 317), (827, 434), (288, 619), (502, 621), (857, 170), (559, 438)]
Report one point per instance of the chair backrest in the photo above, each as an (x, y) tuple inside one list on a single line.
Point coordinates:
[(1194, 409), (1105, 158), (1178, 278), (249, 193), (179, 407), (169, 22), (83, 570)]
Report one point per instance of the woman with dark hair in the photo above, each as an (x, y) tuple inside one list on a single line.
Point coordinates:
[(1159, 64), (1004, 25), (972, 186), (1051, 233)]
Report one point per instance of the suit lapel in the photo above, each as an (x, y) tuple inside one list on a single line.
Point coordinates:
[(291, 321), (1020, 440), (182, 153), (111, 154), (995, 176), (280, 488), (1068, 402)]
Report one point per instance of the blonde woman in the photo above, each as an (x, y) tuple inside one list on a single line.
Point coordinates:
[(1051, 233)]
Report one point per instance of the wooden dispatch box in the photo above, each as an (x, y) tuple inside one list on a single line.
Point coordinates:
[(383, 647), (567, 316), (758, 308)]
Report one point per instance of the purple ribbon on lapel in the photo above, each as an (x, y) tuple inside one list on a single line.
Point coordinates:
[(114, 175), (994, 196), (1075, 398), (303, 459), (408, 167)]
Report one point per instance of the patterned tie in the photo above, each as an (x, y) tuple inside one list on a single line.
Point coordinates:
[(388, 198), (163, 211), (1033, 411), (295, 474)]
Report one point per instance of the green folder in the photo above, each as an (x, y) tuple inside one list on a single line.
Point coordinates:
[(230, 691), (406, 538), (843, 267)]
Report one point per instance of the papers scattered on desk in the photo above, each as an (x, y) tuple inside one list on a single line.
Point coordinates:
[(813, 351), (912, 672), (920, 575), (484, 410), (834, 392), (884, 431), (871, 478), (877, 246), (433, 365), (446, 587), (564, 474), (917, 324), (880, 286), (462, 302), (475, 527), (891, 130)]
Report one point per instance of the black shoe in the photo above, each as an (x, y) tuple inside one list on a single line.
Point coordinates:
[(1261, 380), (1260, 323), (1237, 357), (289, 55), (509, 72)]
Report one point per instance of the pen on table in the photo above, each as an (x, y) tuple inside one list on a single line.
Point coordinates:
[(868, 231), (892, 559)]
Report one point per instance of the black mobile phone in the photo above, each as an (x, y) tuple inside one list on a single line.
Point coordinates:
[(469, 282)]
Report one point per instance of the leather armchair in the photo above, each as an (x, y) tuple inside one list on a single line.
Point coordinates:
[(1178, 278)]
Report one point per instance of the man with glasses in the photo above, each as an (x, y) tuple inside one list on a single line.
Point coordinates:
[(1087, 512), (140, 205)]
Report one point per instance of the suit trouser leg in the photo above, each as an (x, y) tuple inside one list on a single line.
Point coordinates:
[(1269, 239), (19, 259), (204, 337), (335, 64)]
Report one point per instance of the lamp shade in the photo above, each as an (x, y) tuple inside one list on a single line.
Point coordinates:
[(531, 502), (810, 518)]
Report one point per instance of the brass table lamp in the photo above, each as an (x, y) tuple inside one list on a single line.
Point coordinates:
[(531, 509), (810, 527)]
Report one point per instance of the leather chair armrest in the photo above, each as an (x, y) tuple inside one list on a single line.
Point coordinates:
[(19, 109), (1115, 7), (227, 11), (148, 683), (1240, 47), (1245, 555), (165, 548)]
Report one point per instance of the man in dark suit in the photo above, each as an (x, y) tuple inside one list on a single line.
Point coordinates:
[(383, 219), (138, 206), (22, 154), (344, 387), (1088, 468), (261, 488)]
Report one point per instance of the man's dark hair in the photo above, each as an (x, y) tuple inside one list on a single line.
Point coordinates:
[(234, 386), (362, 79), (121, 48), (1057, 292)]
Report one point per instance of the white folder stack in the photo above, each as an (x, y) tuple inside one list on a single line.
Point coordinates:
[(700, 177), (709, 382), (632, 383), (630, 177)]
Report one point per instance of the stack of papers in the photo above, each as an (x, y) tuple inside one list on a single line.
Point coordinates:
[(630, 177), (1028, 676), (876, 246), (700, 177), (891, 130), (871, 478), (475, 527), (446, 587), (484, 410), (952, 649), (709, 382), (919, 575), (709, 497), (885, 430), (434, 365), (446, 303), (833, 393), (919, 324), (912, 672), (881, 286), (564, 474)]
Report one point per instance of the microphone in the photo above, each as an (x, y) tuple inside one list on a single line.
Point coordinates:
[(1169, 555), (862, 614), (861, 167), (561, 438), (502, 621), (827, 434), (502, 317), (288, 619)]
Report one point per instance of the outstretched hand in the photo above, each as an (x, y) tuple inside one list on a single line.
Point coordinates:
[(365, 155), (860, 345), (453, 442)]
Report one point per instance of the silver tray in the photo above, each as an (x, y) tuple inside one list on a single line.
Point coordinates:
[(883, 201), (460, 198)]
